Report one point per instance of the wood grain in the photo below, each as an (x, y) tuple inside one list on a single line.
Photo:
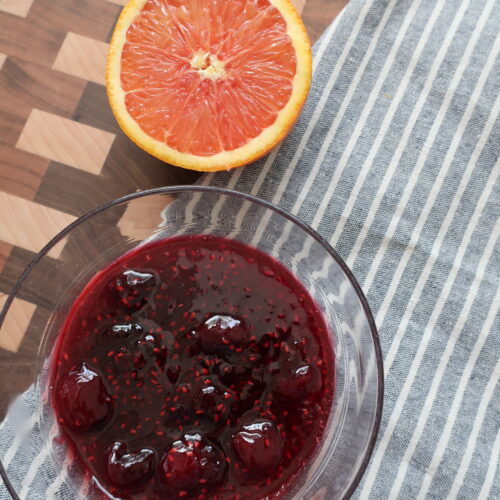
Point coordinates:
[(66, 141), (27, 85), (93, 109), (21, 182), (132, 223), (83, 57), (16, 263), (16, 7), (5, 249), (39, 223), (23, 38), (299, 4), (318, 14), (16, 323), (92, 18), (75, 199)]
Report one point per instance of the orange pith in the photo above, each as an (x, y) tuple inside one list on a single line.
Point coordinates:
[(208, 84)]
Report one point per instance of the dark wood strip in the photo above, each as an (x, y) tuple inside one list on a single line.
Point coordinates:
[(5, 249), (91, 18), (139, 170), (12, 120), (76, 192), (16, 263), (20, 173), (29, 40), (93, 109), (26, 84)]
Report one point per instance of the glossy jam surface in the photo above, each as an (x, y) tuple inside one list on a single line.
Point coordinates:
[(194, 367)]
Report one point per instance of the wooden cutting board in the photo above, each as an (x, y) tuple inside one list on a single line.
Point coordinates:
[(61, 151)]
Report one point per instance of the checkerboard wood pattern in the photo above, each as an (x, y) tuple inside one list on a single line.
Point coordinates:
[(61, 151)]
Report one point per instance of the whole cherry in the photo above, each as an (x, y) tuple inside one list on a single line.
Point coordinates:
[(84, 398), (258, 446), (299, 383), (126, 468), (221, 333), (192, 462)]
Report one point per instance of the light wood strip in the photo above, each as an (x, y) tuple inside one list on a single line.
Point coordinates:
[(65, 141), (318, 14), (30, 225), (83, 57), (16, 323), (144, 216), (299, 4), (2, 60), (17, 7)]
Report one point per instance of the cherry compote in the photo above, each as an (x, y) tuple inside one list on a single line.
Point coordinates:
[(194, 367)]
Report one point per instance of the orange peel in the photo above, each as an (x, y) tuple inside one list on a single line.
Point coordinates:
[(208, 84)]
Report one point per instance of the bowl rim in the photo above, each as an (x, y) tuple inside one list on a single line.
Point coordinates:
[(254, 199)]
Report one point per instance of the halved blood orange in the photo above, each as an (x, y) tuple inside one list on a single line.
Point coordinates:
[(208, 84)]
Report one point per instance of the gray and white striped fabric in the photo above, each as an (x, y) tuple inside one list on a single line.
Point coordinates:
[(395, 160)]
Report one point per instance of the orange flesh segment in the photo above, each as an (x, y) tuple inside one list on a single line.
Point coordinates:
[(170, 47)]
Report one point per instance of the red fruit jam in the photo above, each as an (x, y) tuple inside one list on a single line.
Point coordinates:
[(194, 367)]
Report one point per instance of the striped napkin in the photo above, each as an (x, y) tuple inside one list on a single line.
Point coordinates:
[(395, 160)]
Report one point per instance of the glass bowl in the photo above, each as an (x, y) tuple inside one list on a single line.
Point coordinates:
[(60, 271)]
